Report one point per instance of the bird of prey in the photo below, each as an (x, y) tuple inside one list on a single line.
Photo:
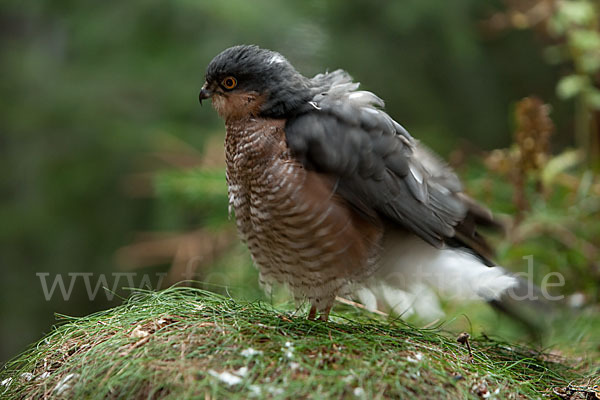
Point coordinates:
[(333, 197)]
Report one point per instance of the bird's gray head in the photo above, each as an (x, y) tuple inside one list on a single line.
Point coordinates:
[(247, 80)]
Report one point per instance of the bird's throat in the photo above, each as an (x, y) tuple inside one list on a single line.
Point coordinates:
[(252, 143)]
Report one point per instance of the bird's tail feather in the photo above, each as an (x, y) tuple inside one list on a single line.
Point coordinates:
[(412, 274), (526, 304)]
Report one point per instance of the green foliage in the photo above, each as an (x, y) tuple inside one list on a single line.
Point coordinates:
[(560, 230), (201, 191), (572, 85), (576, 24)]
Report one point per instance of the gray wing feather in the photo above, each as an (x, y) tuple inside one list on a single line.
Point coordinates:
[(380, 168)]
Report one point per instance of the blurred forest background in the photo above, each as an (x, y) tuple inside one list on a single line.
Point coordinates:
[(109, 166)]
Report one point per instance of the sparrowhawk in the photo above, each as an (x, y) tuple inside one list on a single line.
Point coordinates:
[(333, 197)]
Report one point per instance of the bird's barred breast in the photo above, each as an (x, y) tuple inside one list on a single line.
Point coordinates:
[(299, 232)]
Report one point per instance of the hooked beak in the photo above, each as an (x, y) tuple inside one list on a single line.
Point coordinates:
[(205, 93)]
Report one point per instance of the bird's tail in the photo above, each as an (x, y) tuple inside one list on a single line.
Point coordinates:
[(526, 304), (412, 275)]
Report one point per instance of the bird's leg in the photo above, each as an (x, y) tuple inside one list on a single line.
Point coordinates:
[(312, 314), (324, 316)]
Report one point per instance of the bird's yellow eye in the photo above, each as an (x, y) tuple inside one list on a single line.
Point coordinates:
[(229, 83)]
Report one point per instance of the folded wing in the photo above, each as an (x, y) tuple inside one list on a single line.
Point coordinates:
[(380, 169)]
